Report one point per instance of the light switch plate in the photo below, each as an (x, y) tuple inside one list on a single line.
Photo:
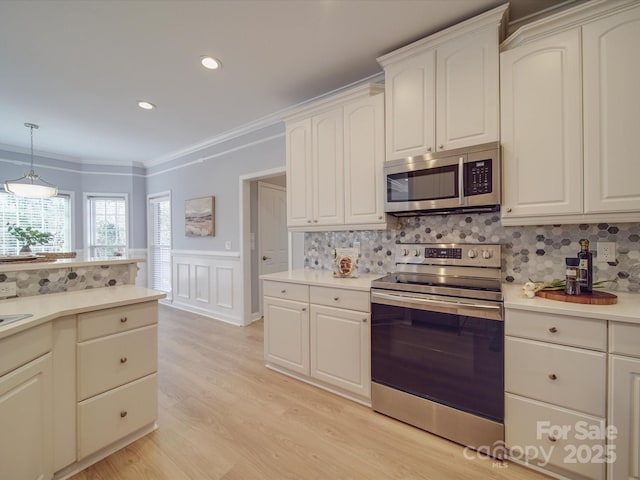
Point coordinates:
[(606, 251), (8, 289)]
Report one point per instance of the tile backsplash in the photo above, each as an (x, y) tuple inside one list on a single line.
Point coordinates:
[(529, 252)]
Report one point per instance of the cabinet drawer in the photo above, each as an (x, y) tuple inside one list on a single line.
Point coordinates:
[(624, 338), (109, 417), (340, 298), (21, 348), (114, 320), (111, 361), (291, 291), (565, 330), (529, 432), (564, 376)]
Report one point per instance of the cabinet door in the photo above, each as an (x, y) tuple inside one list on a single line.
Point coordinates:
[(624, 414), (611, 106), (286, 334), (541, 124), (26, 450), (327, 153), (467, 90), (340, 348), (410, 106), (299, 171), (364, 160)]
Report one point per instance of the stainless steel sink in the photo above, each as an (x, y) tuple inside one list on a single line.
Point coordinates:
[(7, 319)]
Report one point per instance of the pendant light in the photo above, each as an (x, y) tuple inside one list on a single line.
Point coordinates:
[(31, 185)]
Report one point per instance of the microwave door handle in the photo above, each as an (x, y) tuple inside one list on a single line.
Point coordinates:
[(461, 180)]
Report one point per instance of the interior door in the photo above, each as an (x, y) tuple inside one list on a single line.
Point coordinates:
[(273, 239)]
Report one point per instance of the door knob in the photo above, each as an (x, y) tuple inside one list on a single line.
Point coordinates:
[(265, 258)]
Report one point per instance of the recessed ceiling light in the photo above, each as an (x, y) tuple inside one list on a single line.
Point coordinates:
[(210, 63), (146, 105)]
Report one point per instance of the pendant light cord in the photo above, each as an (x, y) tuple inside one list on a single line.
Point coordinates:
[(31, 127)]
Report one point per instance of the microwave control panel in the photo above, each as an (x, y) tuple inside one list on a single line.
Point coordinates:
[(477, 178)]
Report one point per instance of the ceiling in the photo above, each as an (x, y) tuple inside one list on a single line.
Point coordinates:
[(78, 68)]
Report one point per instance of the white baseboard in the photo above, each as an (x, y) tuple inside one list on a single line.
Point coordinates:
[(206, 313)]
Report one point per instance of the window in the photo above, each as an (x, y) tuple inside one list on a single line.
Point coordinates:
[(51, 215), (107, 224), (159, 217)]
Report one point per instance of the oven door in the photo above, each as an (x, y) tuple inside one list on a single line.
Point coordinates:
[(445, 349)]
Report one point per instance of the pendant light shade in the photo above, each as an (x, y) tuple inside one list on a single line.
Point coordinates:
[(31, 185)]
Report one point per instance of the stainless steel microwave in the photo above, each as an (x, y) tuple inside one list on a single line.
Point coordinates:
[(461, 180)]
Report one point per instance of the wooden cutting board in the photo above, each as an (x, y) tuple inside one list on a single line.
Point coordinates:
[(593, 298)]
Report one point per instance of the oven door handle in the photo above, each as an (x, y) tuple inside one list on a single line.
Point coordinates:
[(493, 312)]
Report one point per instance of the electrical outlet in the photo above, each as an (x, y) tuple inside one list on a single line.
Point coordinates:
[(8, 289), (606, 251), (227, 245)]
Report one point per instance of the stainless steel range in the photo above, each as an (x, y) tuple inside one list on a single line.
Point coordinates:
[(437, 337)]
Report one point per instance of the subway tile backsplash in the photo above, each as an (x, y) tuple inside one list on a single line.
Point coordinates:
[(529, 252)]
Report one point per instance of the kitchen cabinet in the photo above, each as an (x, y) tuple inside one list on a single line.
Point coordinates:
[(335, 156), (624, 400), (320, 335), (555, 374), (26, 416), (568, 110), (441, 92), (116, 368)]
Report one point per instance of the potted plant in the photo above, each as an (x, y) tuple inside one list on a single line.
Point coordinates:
[(28, 236)]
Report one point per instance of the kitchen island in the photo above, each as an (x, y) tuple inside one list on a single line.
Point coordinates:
[(78, 378)]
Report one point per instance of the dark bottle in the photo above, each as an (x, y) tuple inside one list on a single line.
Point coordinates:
[(585, 267)]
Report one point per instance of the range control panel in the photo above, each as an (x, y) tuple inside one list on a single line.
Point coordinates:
[(478, 178), (472, 255)]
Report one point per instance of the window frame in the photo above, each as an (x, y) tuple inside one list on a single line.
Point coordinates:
[(150, 261), (88, 218)]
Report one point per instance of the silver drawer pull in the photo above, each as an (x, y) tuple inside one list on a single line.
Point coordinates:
[(123, 413), (553, 330), (553, 376), (123, 320), (123, 360)]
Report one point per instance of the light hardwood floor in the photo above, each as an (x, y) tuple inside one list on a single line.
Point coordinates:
[(223, 415)]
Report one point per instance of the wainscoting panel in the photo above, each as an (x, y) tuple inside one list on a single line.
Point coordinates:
[(208, 283)]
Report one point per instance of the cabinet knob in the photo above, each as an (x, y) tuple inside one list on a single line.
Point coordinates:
[(123, 413), (283, 291), (553, 376), (429, 149), (123, 320), (380, 217), (364, 320), (552, 438), (509, 210), (308, 221), (553, 330), (441, 147), (315, 221), (304, 309), (123, 360), (336, 298), (265, 258)]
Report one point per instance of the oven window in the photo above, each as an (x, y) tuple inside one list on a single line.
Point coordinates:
[(454, 360), (431, 184)]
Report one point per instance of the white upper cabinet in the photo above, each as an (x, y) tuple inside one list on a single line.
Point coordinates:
[(335, 157), (442, 91), (467, 90), (410, 99), (542, 127), (611, 64), (569, 117)]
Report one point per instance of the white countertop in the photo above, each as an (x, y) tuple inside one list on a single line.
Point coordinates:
[(54, 305), (626, 310), (79, 261), (324, 278)]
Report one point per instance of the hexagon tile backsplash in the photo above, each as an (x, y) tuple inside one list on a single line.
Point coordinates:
[(529, 252)]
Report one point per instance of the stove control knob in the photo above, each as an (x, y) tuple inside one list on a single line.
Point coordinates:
[(405, 252), (472, 254), (487, 254), (416, 253)]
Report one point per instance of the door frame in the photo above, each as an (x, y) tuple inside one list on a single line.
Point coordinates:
[(166, 193), (245, 241)]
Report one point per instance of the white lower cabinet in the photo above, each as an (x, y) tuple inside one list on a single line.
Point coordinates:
[(340, 348), (624, 400), (320, 335), (26, 441)]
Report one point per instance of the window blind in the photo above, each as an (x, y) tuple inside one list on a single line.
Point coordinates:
[(51, 215), (107, 225), (160, 243)]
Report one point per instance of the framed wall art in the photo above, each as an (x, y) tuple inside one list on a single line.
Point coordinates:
[(199, 217)]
